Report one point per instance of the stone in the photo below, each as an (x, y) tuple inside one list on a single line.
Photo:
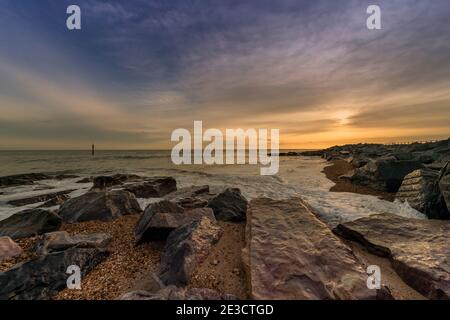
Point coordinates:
[(161, 218), (444, 187), (141, 231), (418, 189), (9, 249), (384, 174), (418, 249), (187, 247), (292, 255), (42, 277), (229, 205), (104, 205), (61, 240), (103, 182), (191, 197), (175, 293), (152, 187), (30, 223), (57, 201), (39, 198), (22, 179)]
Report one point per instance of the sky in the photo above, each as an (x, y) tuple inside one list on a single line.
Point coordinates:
[(139, 69)]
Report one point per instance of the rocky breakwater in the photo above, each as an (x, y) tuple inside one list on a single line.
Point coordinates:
[(418, 249), (417, 173), (290, 254)]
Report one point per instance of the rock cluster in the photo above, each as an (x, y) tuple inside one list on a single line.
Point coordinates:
[(417, 172)]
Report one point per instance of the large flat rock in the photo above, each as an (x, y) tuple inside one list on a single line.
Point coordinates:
[(419, 249), (290, 254)]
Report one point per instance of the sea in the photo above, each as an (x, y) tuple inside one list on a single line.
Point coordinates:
[(297, 177)]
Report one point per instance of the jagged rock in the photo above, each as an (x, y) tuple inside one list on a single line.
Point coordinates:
[(418, 249), (9, 249), (384, 174), (56, 201), (161, 218), (29, 223), (191, 197), (229, 205), (185, 249), (39, 198), (290, 254), (61, 240), (102, 182), (99, 205), (141, 231), (22, 179), (418, 189), (444, 187), (175, 293), (43, 277), (153, 187)]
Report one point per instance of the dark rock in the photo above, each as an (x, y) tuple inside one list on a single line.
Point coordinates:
[(102, 182), (43, 277), (185, 249), (9, 249), (39, 198), (161, 218), (99, 205), (444, 187), (229, 205), (22, 179), (418, 189), (61, 240), (153, 187), (143, 230), (312, 153), (418, 249), (175, 293), (29, 223), (294, 255), (191, 197), (384, 174), (56, 201)]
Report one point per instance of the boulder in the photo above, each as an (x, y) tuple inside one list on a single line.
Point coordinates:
[(418, 189), (103, 182), (152, 187), (292, 255), (175, 293), (22, 179), (29, 223), (384, 174), (42, 277), (186, 248), (9, 249), (61, 240), (229, 205), (161, 218), (444, 187), (191, 197), (418, 249), (40, 198), (104, 205), (56, 201)]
